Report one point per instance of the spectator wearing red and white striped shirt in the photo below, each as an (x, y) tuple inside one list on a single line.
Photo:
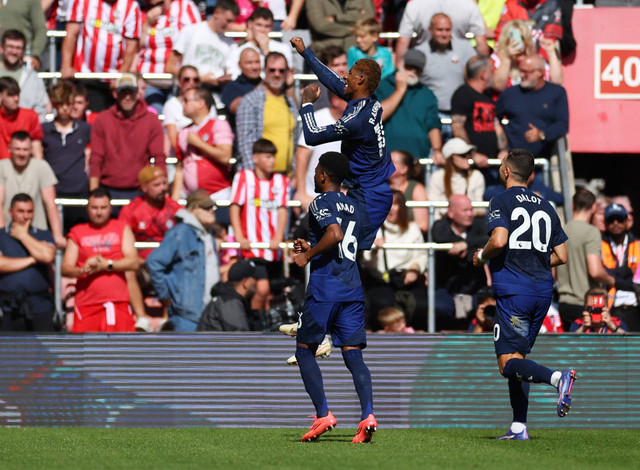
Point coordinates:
[(259, 204), (102, 36), (161, 23), (258, 213)]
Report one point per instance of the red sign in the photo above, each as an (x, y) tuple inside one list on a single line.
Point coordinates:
[(617, 71), (603, 81)]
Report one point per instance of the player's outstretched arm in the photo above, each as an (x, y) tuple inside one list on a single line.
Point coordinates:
[(328, 77)]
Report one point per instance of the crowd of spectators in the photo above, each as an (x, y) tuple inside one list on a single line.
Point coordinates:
[(443, 96)]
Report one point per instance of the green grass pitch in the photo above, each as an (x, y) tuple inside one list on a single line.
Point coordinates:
[(279, 448)]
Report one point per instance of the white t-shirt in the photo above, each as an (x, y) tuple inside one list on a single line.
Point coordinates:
[(323, 118), (172, 111), (274, 46), (202, 48)]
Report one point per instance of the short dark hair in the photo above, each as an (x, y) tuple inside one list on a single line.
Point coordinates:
[(520, 161), (371, 70), (271, 55), (261, 12), (264, 146), (228, 5), (80, 89), (9, 85), (475, 65), (21, 136), (583, 200), (204, 94), (21, 197), (99, 192), (15, 35), (335, 165), (327, 54)]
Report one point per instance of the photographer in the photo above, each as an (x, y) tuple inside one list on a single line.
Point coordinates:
[(596, 317), (485, 313), (229, 307)]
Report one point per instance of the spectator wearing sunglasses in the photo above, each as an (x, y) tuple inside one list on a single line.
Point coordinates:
[(174, 118), (620, 255)]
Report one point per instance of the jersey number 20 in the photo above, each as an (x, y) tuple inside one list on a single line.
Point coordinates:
[(515, 239)]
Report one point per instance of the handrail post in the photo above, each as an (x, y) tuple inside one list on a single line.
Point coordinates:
[(57, 276), (431, 277), (564, 179)]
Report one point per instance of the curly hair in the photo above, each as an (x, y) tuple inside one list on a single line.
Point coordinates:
[(371, 70)]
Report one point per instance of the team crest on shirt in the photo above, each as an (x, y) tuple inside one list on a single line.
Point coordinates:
[(142, 225), (169, 223)]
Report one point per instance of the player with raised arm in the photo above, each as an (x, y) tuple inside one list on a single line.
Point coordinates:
[(526, 240), (360, 130), (334, 301)]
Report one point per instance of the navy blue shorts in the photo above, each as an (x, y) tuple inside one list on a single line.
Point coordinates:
[(518, 321), (344, 320), (374, 205)]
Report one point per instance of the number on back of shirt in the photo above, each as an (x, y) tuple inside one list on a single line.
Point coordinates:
[(348, 247), (518, 239)]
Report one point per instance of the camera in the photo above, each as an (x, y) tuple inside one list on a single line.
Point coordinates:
[(595, 304)]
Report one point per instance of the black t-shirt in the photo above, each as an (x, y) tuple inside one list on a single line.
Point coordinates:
[(480, 111)]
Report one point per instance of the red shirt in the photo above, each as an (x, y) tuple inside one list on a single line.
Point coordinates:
[(22, 120), (200, 172), (104, 286), (149, 224)]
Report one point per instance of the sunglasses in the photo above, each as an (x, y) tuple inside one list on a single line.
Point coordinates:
[(271, 70), (616, 218), (191, 79)]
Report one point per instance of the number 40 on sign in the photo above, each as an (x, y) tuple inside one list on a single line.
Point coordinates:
[(617, 71)]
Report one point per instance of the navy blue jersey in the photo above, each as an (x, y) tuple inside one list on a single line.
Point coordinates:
[(360, 130), (524, 266), (334, 274)]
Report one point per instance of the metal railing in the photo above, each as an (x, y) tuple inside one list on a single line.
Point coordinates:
[(285, 246)]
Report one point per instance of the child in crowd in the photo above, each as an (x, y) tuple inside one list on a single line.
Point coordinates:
[(392, 320), (367, 32), (258, 213)]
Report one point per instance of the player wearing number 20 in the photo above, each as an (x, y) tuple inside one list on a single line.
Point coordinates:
[(526, 240), (334, 301)]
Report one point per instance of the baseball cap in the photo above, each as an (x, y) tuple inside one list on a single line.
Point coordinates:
[(199, 198), (456, 146), (615, 209), (127, 80), (149, 173), (415, 58), (241, 270)]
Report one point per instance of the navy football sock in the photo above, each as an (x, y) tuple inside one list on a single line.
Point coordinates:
[(312, 378), (519, 396), (527, 371), (361, 379)]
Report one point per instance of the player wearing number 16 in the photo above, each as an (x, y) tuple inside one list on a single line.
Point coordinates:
[(360, 130), (526, 240), (334, 301)]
